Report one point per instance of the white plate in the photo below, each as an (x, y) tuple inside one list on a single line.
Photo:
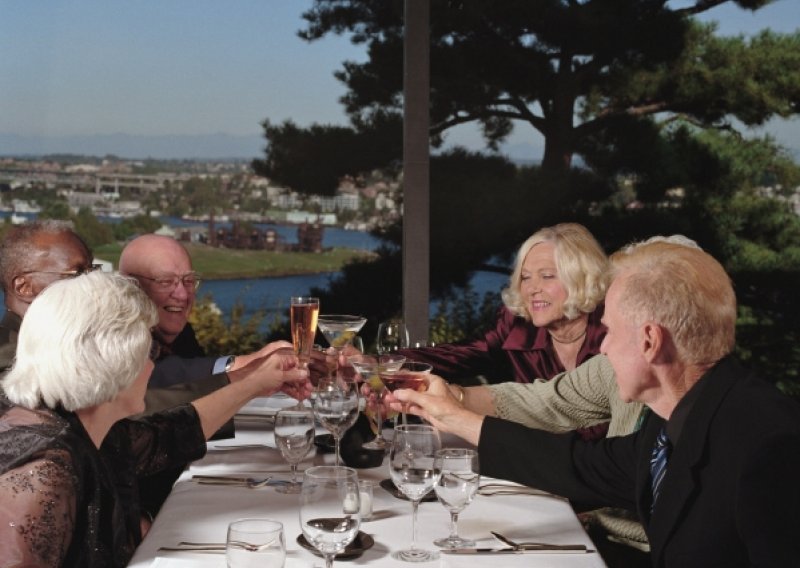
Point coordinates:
[(267, 406)]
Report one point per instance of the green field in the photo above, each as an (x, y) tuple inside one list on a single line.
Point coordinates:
[(217, 263)]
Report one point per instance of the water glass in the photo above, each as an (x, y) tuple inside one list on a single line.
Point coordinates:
[(336, 405), (458, 481), (392, 336), (255, 543), (411, 466), (294, 436), (330, 509)]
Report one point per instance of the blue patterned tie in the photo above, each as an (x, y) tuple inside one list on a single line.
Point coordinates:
[(658, 463)]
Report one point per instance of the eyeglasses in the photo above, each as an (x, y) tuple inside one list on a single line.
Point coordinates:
[(190, 281), (68, 273)]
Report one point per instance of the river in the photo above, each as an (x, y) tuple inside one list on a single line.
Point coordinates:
[(272, 294)]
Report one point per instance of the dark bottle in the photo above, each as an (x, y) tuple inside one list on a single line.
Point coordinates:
[(352, 451)]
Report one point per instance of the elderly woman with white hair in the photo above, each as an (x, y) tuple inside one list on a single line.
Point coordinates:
[(69, 457)]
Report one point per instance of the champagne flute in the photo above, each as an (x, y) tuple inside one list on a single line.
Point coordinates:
[(411, 466), (329, 509), (335, 405), (457, 485), (303, 314), (294, 436), (392, 336), (411, 375), (368, 370)]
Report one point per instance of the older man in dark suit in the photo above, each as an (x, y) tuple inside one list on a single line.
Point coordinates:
[(713, 472)]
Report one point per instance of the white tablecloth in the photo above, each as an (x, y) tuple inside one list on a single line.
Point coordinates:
[(195, 512)]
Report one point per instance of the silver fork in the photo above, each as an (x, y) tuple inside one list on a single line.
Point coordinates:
[(249, 482), (534, 545)]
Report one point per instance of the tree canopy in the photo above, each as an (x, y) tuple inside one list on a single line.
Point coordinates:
[(569, 70)]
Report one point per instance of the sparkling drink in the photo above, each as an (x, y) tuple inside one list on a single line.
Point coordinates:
[(303, 315)]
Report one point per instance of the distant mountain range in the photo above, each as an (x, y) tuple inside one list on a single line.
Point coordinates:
[(202, 146)]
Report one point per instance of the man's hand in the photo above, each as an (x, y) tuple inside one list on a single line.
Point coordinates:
[(270, 348), (438, 406)]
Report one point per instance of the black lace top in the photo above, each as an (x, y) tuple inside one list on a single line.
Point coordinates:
[(63, 502)]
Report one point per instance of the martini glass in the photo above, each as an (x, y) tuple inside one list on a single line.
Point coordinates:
[(340, 330), (369, 370), (411, 375)]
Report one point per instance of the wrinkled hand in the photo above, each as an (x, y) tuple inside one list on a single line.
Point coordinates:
[(270, 348), (438, 406), (279, 370), (322, 364)]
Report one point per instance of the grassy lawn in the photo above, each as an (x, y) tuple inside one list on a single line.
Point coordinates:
[(215, 263)]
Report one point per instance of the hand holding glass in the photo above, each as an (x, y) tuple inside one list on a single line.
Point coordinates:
[(329, 509), (255, 543), (458, 480), (294, 436), (411, 466), (368, 369)]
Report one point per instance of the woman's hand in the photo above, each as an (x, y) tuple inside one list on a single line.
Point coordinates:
[(279, 370)]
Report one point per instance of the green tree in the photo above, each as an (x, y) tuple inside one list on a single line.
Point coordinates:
[(137, 225), (569, 70), (93, 231)]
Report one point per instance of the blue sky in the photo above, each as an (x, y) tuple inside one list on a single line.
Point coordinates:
[(194, 67)]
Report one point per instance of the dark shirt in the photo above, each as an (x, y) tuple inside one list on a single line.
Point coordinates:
[(66, 503)]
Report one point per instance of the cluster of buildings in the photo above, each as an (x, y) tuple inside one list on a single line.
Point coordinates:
[(119, 188)]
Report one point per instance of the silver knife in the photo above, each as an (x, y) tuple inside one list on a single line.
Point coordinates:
[(550, 548)]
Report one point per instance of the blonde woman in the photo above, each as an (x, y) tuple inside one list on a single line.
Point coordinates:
[(551, 319)]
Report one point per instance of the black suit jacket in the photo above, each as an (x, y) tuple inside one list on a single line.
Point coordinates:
[(731, 494)]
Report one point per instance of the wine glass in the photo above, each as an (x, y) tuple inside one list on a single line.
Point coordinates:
[(392, 336), (340, 330), (329, 509), (335, 404), (294, 436), (457, 484), (368, 370), (255, 542), (411, 466), (303, 314), (411, 375)]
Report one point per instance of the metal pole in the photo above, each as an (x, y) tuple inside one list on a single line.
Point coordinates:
[(416, 168)]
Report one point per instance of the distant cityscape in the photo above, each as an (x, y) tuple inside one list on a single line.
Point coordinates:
[(118, 188)]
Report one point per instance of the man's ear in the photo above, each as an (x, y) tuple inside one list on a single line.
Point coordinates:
[(652, 341), (22, 288)]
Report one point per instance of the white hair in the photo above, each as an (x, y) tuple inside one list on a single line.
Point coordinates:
[(81, 343)]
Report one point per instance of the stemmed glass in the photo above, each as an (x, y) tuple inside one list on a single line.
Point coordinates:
[(340, 330), (411, 466), (303, 314), (294, 436), (457, 484), (329, 509), (392, 335), (335, 404), (368, 370), (411, 375)]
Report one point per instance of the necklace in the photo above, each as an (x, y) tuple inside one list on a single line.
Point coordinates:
[(567, 342)]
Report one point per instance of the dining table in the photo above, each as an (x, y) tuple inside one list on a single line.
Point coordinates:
[(200, 512)]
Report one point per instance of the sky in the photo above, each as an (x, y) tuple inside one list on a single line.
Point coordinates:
[(105, 69)]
